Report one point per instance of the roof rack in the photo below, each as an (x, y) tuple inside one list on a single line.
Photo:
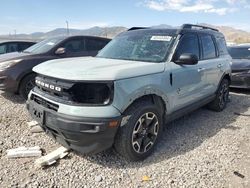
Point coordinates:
[(137, 28), (192, 26)]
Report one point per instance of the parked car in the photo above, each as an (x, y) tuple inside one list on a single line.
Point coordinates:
[(9, 46), (123, 97), (240, 66), (16, 73)]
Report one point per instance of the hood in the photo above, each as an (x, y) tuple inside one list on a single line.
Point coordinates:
[(93, 68), (10, 56), (240, 64)]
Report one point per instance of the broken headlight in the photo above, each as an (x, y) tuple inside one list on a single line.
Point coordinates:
[(92, 93)]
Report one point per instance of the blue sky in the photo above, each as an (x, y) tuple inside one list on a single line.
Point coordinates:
[(29, 16)]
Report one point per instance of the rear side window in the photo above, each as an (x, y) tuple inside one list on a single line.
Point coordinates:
[(208, 47), (94, 44), (75, 45), (2, 49), (189, 43), (222, 46)]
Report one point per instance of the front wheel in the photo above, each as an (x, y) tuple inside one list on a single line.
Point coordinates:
[(221, 100), (137, 138), (26, 85)]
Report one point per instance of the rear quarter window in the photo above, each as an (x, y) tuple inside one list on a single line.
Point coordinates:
[(222, 46)]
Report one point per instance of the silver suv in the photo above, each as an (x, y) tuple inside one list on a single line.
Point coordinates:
[(123, 97)]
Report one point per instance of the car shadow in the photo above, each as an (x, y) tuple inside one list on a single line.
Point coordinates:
[(16, 99), (182, 135)]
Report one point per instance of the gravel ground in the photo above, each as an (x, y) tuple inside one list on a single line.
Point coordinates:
[(203, 149)]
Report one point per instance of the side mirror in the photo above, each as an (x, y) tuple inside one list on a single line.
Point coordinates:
[(187, 59), (60, 51)]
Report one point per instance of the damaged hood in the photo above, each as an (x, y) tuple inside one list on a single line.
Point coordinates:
[(93, 68)]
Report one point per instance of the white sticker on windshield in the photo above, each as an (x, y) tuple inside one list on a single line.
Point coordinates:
[(161, 38), (51, 43), (249, 49)]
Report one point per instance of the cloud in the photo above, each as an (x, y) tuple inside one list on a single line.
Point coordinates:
[(221, 7)]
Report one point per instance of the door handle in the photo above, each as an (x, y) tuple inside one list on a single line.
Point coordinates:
[(201, 69), (219, 65)]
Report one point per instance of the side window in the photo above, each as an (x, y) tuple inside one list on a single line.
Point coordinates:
[(2, 49), (208, 47), (12, 47), (222, 46), (94, 44), (75, 45), (189, 43), (23, 46)]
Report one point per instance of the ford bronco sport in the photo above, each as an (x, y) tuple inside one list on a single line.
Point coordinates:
[(141, 80)]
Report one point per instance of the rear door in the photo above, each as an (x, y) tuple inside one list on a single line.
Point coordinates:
[(210, 63)]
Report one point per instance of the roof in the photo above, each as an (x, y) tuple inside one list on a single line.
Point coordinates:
[(15, 40), (180, 30)]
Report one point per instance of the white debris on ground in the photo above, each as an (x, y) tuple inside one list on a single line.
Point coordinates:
[(203, 149), (24, 152), (52, 157), (32, 124)]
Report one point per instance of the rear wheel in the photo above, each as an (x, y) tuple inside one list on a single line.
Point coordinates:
[(137, 138), (221, 100), (26, 85)]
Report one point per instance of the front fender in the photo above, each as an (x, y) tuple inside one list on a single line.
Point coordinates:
[(128, 90)]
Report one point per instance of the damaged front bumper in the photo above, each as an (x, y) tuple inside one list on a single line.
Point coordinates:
[(87, 135), (241, 80)]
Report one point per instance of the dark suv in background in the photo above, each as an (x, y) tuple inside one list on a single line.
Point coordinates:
[(240, 66), (16, 73), (14, 46)]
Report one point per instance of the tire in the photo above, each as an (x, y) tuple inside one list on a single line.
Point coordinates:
[(222, 95), (136, 139), (27, 84)]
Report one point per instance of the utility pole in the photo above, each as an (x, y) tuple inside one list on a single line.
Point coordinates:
[(67, 23)]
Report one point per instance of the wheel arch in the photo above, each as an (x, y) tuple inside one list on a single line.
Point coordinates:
[(22, 77), (153, 98)]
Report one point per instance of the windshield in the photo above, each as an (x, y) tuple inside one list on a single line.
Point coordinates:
[(239, 53), (138, 46), (44, 46)]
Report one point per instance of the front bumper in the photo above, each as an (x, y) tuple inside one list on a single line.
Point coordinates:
[(7, 83), (85, 135), (240, 80)]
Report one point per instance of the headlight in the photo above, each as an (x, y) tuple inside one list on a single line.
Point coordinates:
[(6, 64), (92, 93)]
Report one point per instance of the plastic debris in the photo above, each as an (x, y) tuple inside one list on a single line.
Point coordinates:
[(146, 178), (36, 129), (24, 152), (32, 124), (238, 174), (52, 157)]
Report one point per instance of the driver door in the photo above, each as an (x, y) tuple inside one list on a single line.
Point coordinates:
[(188, 81)]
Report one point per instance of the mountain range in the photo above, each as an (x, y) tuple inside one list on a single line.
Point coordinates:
[(232, 34)]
